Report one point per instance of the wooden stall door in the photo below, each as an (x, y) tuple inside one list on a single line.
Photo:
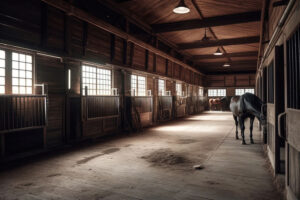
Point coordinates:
[(292, 110), (279, 108)]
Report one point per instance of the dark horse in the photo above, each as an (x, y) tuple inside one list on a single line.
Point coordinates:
[(246, 106)]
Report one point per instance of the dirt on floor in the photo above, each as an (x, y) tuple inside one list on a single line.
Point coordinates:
[(166, 157)]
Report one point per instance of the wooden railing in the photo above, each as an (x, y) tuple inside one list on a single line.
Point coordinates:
[(95, 107), (22, 111)]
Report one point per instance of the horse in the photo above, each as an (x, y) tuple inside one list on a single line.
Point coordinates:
[(216, 102), (246, 106)]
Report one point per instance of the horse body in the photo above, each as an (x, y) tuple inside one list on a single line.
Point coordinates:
[(216, 102), (246, 106)]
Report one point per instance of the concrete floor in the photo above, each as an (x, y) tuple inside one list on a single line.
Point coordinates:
[(118, 168)]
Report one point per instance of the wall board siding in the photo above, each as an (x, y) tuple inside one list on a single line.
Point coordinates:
[(51, 72), (20, 26), (139, 58), (98, 43), (161, 64), (55, 29)]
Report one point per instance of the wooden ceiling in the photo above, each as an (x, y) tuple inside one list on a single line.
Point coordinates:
[(232, 25)]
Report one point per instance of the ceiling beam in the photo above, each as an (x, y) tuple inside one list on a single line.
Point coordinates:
[(207, 22), (212, 56), (71, 10), (233, 63), (216, 43)]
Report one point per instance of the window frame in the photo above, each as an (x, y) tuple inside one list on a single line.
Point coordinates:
[(164, 90), (97, 67), (179, 93), (201, 94), (244, 91), (137, 88), (9, 70), (216, 94)]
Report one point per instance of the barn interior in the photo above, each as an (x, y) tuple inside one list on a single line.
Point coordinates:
[(130, 99)]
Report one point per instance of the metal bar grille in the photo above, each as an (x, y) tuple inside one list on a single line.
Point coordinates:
[(293, 70), (19, 112), (102, 106)]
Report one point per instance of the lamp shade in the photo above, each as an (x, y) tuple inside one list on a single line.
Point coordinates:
[(218, 52), (181, 8)]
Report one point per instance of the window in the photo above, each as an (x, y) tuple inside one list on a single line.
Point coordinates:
[(138, 85), (21, 73), (216, 92), (241, 91), (97, 80), (2, 72), (161, 87), (179, 89), (200, 92)]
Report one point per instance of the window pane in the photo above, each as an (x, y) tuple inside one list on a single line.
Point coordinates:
[(97, 80), (2, 72), (2, 54), (2, 63), (2, 89), (161, 87), (21, 73), (178, 89)]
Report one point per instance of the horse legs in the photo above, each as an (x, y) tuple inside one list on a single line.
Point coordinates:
[(251, 128), (236, 127), (242, 126)]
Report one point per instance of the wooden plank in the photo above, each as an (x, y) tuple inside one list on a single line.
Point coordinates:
[(216, 43), (71, 10), (238, 54), (208, 22)]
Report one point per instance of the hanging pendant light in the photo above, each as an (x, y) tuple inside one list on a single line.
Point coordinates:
[(205, 37), (218, 52), (181, 8), (226, 65)]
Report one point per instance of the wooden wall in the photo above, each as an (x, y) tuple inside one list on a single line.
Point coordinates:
[(240, 80), (60, 42)]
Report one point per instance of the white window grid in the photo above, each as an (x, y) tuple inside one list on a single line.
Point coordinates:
[(161, 87), (201, 92), (21, 73), (133, 85), (138, 85), (179, 89), (141, 87), (97, 80), (249, 90), (241, 91), (2, 72), (216, 92)]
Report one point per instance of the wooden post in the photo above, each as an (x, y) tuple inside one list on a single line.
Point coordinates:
[(2, 139)]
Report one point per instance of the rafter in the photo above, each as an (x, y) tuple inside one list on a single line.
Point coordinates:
[(239, 54), (215, 43), (207, 22), (232, 64)]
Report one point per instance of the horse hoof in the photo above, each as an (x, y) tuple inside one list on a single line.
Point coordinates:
[(236, 138), (252, 142), (243, 142)]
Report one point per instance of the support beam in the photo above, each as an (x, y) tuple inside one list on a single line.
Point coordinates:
[(208, 22), (239, 54), (216, 43), (233, 63), (82, 15)]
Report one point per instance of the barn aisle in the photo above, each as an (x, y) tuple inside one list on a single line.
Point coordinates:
[(154, 164)]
